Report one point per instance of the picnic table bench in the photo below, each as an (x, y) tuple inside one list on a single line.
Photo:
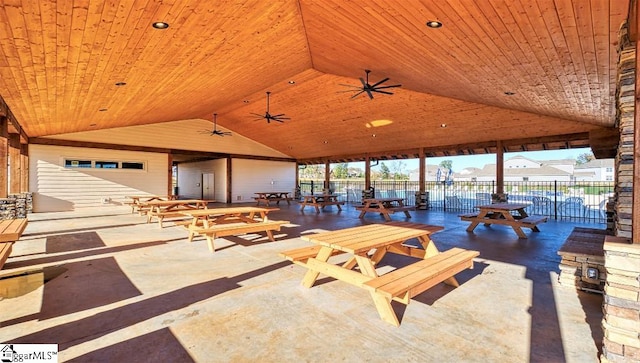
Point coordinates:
[(232, 221), (500, 213), (162, 209), (399, 285), (267, 197), (384, 206), (10, 231), (137, 201), (319, 201)]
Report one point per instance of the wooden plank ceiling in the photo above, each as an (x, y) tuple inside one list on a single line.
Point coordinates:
[(496, 70)]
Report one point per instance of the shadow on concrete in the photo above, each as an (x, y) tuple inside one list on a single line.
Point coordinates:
[(80, 254), (158, 346), (73, 242), (95, 326)]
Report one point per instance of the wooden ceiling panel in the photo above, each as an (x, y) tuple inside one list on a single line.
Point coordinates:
[(60, 62)]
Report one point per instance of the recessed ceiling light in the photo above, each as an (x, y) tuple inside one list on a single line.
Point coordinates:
[(292, 82), (434, 24), (443, 125), (120, 84), (246, 101), (374, 135), (509, 93), (160, 25), (325, 142)]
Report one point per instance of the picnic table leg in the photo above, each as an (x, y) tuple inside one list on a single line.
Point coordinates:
[(311, 276), (386, 216), (385, 310)]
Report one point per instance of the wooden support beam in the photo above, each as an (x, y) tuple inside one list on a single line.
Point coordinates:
[(367, 172), (229, 180), (635, 207), (4, 152), (327, 174), (24, 162), (499, 167), (14, 164), (604, 142), (422, 178), (170, 172)]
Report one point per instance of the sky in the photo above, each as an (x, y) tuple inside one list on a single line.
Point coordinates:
[(478, 161)]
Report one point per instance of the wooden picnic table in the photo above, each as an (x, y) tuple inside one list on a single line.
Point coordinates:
[(501, 213), (10, 231), (171, 208), (218, 222), (384, 206), (401, 284), (319, 201), (267, 197), (137, 200)]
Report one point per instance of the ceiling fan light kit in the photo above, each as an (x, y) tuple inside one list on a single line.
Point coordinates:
[(370, 88), (269, 117)]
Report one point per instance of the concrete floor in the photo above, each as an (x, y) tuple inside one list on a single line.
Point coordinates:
[(106, 286)]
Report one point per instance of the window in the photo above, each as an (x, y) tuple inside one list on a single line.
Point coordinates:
[(106, 164), (102, 164), (525, 178), (609, 178), (77, 163), (132, 165), (609, 170)]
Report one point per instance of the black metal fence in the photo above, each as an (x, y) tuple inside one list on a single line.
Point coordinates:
[(575, 201)]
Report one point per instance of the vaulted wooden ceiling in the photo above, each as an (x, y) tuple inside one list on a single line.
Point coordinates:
[(495, 70)]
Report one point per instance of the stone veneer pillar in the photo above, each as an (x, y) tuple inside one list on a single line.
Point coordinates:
[(621, 307)]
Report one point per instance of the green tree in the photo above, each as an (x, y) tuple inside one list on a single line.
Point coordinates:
[(584, 158), (385, 173), (341, 171), (446, 164), (397, 167)]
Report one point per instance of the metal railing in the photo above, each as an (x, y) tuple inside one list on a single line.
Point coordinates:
[(575, 201)]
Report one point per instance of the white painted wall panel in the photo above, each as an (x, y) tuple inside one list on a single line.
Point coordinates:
[(179, 135), (57, 188), (250, 176), (190, 175)]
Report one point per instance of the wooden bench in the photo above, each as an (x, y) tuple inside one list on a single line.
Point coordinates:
[(299, 256), (273, 199), (467, 215), (532, 221), (406, 282), (5, 251), (232, 229), (173, 213), (385, 211), (10, 231)]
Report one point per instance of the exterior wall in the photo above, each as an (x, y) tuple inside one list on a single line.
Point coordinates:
[(250, 176), (520, 162), (190, 179), (56, 188)]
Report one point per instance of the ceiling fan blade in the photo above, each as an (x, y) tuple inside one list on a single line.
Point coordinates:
[(364, 84), (385, 92), (380, 82), (282, 118), (391, 86), (369, 94), (357, 94), (349, 85)]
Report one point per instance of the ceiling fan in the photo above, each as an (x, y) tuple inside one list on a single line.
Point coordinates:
[(269, 117), (215, 130), (370, 88)]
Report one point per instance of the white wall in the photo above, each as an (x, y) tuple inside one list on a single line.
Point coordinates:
[(250, 176), (57, 188), (190, 179)]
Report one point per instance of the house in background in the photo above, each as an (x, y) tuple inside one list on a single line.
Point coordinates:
[(595, 170)]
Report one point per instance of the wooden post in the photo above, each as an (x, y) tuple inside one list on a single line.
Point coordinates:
[(499, 167), (635, 209), (229, 180), (170, 166), (422, 178), (327, 174), (367, 172), (4, 145), (24, 167), (14, 164)]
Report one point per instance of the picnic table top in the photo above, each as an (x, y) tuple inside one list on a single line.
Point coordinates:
[(503, 206)]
